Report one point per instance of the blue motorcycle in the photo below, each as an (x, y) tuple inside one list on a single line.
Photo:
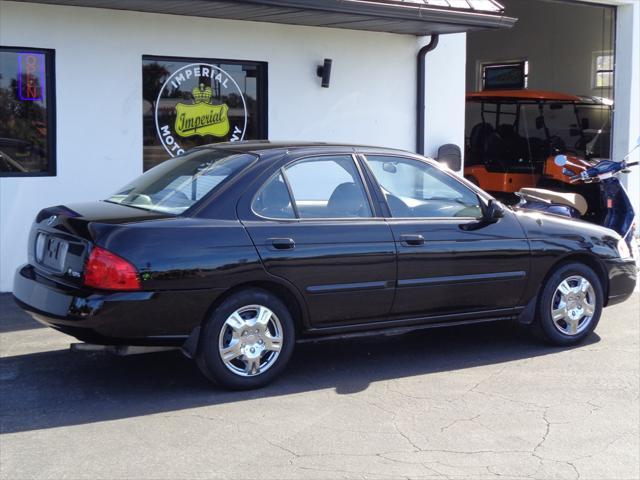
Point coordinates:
[(597, 196)]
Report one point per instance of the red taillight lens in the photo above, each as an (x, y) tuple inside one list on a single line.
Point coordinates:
[(108, 271)]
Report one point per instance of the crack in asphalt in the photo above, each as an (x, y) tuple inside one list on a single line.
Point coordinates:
[(393, 425), (459, 420)]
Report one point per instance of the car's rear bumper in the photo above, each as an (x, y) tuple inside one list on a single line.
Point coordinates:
[(623, 276), (112, 318)]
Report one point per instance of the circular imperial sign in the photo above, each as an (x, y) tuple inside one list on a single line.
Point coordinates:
[(205, 110)]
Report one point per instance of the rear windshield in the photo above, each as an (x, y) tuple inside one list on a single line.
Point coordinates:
[(178, 183)]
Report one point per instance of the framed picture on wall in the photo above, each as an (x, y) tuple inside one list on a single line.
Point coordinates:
[(505, 75)]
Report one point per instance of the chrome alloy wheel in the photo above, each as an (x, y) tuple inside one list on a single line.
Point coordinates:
[(250, 340), (573, 305)]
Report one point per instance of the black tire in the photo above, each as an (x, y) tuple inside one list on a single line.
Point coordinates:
[(209, 358), (545, 327)]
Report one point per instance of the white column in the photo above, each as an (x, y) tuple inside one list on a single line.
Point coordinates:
[(626, 128), (445, 92)]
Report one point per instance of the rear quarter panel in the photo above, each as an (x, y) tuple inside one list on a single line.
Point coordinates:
[(184, 253)]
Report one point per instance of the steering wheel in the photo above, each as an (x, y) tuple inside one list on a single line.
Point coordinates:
[(557, 144)]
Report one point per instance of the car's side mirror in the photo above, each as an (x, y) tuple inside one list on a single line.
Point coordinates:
[(494, 211)]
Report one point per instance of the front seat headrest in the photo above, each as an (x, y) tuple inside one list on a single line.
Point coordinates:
[(346, 201)]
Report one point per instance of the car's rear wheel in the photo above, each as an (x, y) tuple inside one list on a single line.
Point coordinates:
[(570, 305), (247, 341)]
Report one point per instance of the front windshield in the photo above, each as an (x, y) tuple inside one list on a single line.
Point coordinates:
[(524, 135), (584, 130), (178, 183), (597, 136)]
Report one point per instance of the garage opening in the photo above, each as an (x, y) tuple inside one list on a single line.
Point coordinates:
[(543, 88)]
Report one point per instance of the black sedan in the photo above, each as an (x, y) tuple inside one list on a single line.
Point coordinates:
[(235, 252)]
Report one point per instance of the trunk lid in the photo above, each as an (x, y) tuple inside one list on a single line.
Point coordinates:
[(61, 237)]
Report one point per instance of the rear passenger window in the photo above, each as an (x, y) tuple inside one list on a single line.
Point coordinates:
[(273, 200), (328, 187)]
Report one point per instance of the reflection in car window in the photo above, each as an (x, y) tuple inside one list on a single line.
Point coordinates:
[(328, 187), (273, 200), (417, 189), (177, 184)]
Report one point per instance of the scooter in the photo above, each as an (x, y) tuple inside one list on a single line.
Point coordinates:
[(614, 211)]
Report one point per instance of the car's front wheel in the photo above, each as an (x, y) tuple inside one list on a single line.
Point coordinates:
[(570, 305), (247, 341)]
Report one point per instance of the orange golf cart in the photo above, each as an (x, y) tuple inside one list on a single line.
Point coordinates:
[(514, 135)]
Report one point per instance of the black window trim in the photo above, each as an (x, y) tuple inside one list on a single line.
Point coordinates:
[(375, 213), (481, 198), (294, 205), (50, 92), (374, 186)]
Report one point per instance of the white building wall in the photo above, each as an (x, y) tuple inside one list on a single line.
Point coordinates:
[(445, 93), (99, 94)]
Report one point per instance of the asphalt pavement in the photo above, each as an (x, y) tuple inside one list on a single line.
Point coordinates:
[(478, 402)]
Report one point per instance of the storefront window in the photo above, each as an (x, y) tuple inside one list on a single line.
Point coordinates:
[(26, 112), (189, 102)]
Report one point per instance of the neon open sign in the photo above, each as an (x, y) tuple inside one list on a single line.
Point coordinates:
[(31, 76)]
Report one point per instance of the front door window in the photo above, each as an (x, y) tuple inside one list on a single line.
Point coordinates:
[(417, 189)]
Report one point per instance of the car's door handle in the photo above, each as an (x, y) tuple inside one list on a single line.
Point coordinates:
[(282, 243), (412, 239)]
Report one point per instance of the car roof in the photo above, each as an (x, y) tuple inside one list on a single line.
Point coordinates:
[(259, 147), (523, 96)]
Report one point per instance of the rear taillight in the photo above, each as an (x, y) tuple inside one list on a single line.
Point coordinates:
[(108, 271)]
